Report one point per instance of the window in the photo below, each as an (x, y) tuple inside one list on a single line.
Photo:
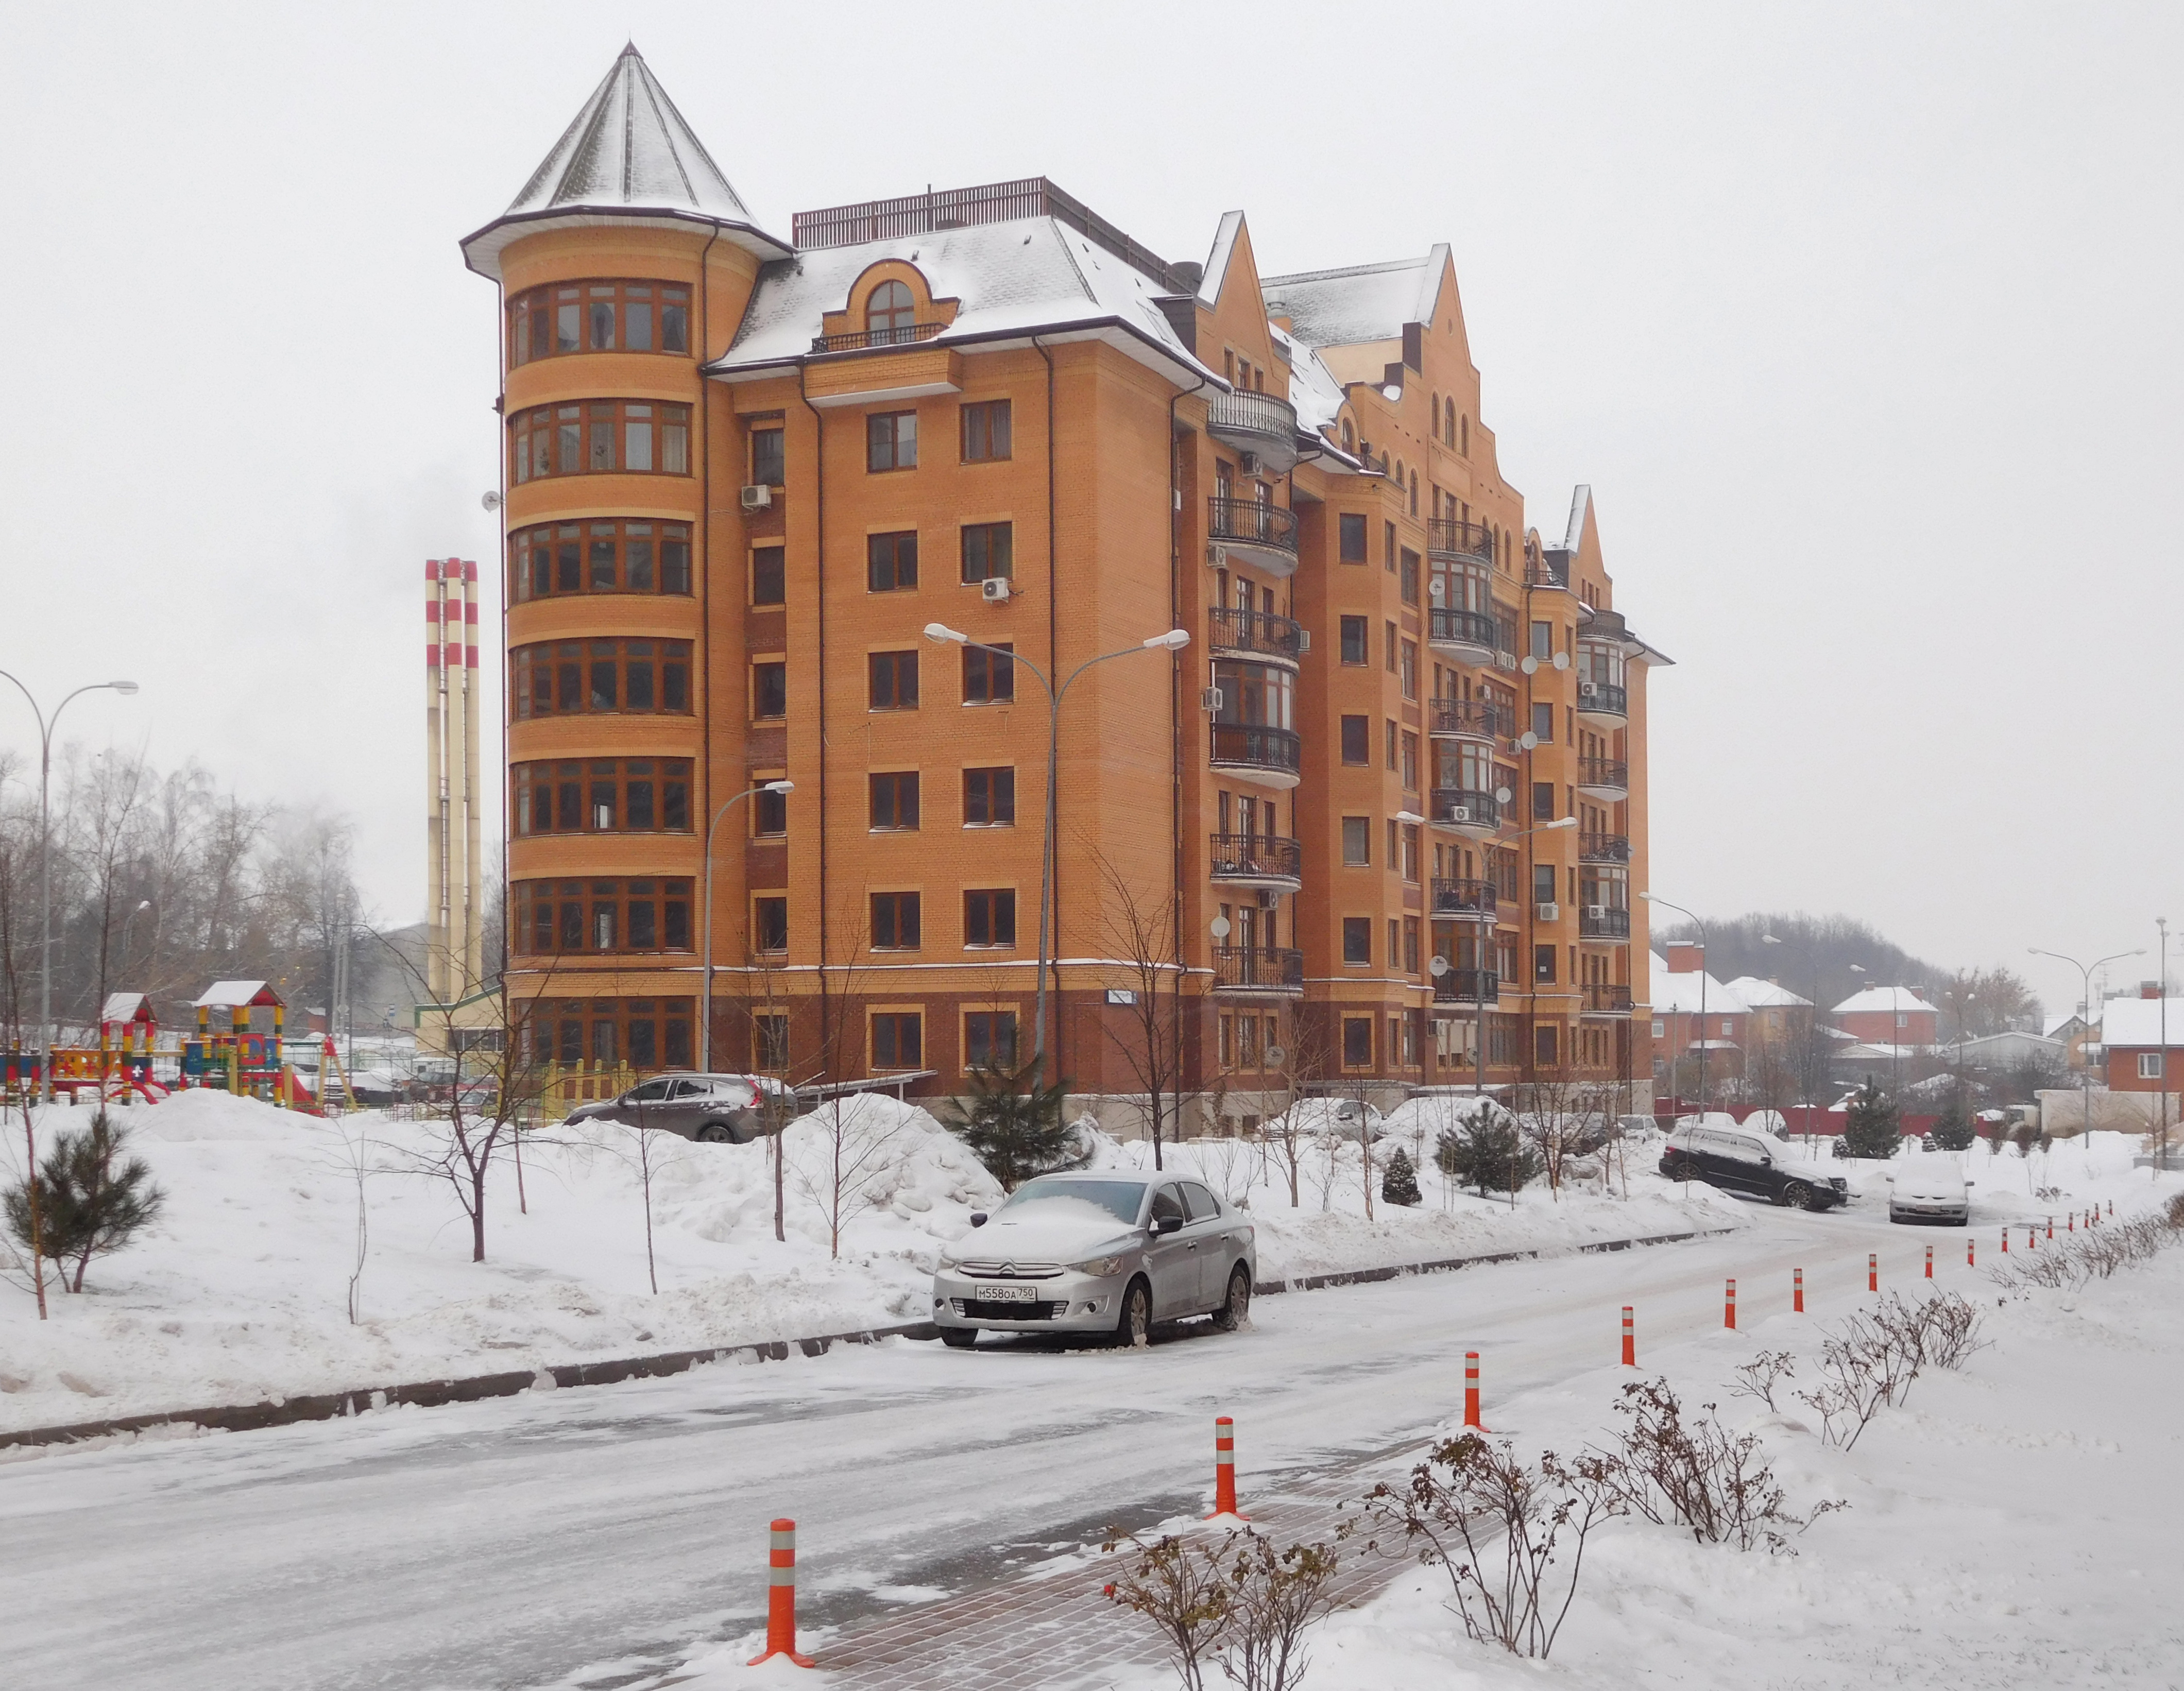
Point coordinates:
[(986, 432), (1394, 758), (1543, 640), (1546, 1045), (1660, 1030), (769, 577), (1356, 1042), (2149, 1065), (770, 924), (598, 317), (898, 1039), (895, 799), (1408, 670), (990, 917), (608, 555), (990, 797), (1354, 641), (769, 814), (1357, 842), (890, 562), (1410, 571), (643, 916), (1388, 646), (769, 457), (891, 441), (1543, 801), (1388, 547), (890, 314), (1411, 852), (989, 1039), (601, 436), (575, 677), (646, 1033), (769, 1042), (894, 680), (1350, 530), (1543, 964), (1357, 741), (895, 924), (1357, 939), (1410, 945), (1543, 883), (989, 678), (988, 551), (603, 796), (769, 691), (1410, 761), (1543, 723)]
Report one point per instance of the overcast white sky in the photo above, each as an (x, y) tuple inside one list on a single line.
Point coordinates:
[(1860, 319)]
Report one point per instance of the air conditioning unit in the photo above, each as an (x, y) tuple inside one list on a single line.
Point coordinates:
[(1216, 556), (1587, 690), (1248, 462), (1548, 913), (1210, 700), (1304, 640), (1597, 913), (995, 589), (1459, 813), (1269, 899), (758, 497)]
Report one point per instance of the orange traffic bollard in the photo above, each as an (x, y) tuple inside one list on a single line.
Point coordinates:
[(1872, 1271), (1630, 1338), (1971, 1251), (2111, 1206), (1224, 1469), (2032, 1238), (1471, 1390), (2073, 1221), (2005, 1242), (1729, 1308), (1929, 1262), (1798, 1291), (2051, 1226), (781, 1598)]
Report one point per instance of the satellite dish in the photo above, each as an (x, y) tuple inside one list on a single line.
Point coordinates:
[(1437, 589), (1528, 741), (1438, 967), (1503, 795), (492, 500), (1275, 1056), (1220, 928), (1529, 666), (1561, 660)]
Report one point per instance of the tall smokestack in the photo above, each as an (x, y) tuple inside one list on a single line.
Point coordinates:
[(438, 830), (473, 860)]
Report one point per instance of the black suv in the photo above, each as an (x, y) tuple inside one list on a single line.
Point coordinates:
[(1759, 1164)]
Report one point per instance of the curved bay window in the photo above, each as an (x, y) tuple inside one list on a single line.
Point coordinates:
[(601, 436), (567, 918), (598, 317), (1254, 724), (582, 677), (890, 315), (603, 796), (610, 555), (1600, 672), (644, 1033)]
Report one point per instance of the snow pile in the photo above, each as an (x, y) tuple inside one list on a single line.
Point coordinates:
[(241, 1291)]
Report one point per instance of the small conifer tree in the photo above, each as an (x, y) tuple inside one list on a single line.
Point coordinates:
[(92, 1201), (1953, 1131), (1400, 1184), (1485, 1150), (1012, 1123), (1871, 1127)]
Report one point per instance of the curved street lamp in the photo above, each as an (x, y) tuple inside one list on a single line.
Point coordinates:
[(1652, 899), (705, 990), (2086, 1004)]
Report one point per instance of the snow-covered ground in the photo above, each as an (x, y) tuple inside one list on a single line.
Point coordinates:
[(240, 1291)]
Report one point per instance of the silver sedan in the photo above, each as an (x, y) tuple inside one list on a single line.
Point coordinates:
[(717, 1109), (1109, 1254)]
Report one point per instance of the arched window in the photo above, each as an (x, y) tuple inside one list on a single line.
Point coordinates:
[(1349, 437), (1436, 416), (1399, 475), (1448, 417), (890, 315)]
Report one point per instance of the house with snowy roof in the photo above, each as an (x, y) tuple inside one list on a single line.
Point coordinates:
[(1889, 1017), (1694, 1012), (802, 510)]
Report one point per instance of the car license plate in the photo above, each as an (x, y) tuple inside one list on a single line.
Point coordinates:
[(1007, 1294)]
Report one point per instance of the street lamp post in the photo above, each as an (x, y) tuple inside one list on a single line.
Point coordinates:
[(1651, 899), (1812, 1033), (2086, 1002), (705, 989), (46, 726), (1478, 974), (1173, 641)]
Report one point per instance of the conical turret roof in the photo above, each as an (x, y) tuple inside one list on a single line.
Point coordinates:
[(628, 154)]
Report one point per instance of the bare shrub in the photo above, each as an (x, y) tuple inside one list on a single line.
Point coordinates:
[(1864, 1366), (1243, 1605), (1470, 1505), (1697, 1474), (1763, 1377), (1951, 1333), (2095, 1253)]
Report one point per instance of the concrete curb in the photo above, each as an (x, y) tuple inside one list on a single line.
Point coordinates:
[(430, 1394)]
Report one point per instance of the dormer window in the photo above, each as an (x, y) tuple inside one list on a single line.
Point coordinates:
[(890, 315)]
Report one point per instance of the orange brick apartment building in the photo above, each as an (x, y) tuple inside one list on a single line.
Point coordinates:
[(744, 474)]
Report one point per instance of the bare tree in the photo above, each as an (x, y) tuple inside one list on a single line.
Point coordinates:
[(1304, 1063), (1137, 928), (1567, 1118)]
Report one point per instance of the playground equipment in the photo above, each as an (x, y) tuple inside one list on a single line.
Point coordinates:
[(118, 1070), (239, 1061)]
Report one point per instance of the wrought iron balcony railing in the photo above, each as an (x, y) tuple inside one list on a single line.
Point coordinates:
[(1255, 630)]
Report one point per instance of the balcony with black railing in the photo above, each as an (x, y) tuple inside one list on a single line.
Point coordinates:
[(1257, 969), (864, 340), (1594, 846), (1468, 900), (1603, 777), (1258, 423), (1265, 534), (1259, 633), (1603, 998), (1272, 756), (1465, 634), (1452, 537), (1258, 860), (1602, 701), (1604, 922), (1468, 986), (1467, 718), (1476, 814)]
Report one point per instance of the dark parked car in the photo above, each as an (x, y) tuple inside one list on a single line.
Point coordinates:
[(718, 1108), (1738, 1159)]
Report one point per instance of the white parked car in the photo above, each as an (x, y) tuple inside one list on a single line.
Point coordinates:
[(1930, 1187), (1109, 1253)]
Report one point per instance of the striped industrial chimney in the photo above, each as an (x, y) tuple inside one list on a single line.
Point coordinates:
[(454, 889)]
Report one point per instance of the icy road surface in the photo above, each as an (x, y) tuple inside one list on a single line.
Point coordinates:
[(515, 1544)]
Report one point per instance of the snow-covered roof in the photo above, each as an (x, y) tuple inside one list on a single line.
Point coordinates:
[(1314, 393), (1858, 1050), (1895, 1000), (1012, 279), (628, 153), (1216, 261), (1677, 994), (126, 1007), (1766, 995), (2055, 1024), (1361, 302), (2138, 1021), (235, 995)]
